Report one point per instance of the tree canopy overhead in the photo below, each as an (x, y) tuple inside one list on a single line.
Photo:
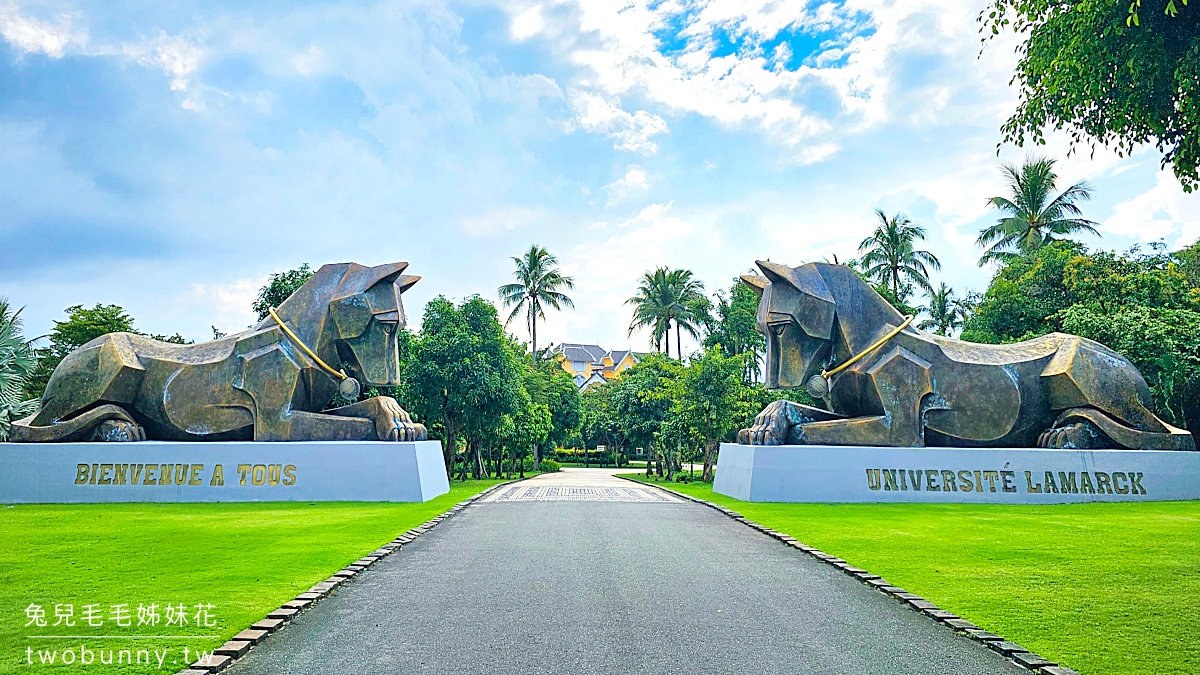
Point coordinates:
[(1110, 72)]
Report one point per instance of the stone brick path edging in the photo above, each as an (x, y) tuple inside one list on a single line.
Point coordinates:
[(240, 644), (1016, 653)]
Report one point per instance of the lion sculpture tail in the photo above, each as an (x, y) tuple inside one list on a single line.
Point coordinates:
[(81, 427)]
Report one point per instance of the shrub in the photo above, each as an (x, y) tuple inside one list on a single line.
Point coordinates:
[(550, 466)]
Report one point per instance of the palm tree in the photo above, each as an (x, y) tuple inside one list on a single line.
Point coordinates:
[(686, 292), (651, 306), (944, 310), (888, 254), (665, 296), (967, 305), (1033, 218), (16, 363), (539, 284)]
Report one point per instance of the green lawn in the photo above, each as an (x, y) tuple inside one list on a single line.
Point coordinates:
[(1101, 588), (246, 559)]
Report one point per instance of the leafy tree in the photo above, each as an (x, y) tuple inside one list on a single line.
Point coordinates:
[(551, 386), (1112, 73), (642, 402), (1023, 296), (600, 424), (735, 328), (677, 440), (1187, 261), (889, 257), (279, 286), (82, 326), (462, 376), (943, 310), (1033, 218), (521, 432), (539, 284), (17, 362), (707, 398)]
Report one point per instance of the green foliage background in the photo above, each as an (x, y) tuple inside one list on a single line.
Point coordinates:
[(1115, 72)]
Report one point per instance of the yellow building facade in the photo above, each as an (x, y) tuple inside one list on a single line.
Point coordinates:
[(591, 364)]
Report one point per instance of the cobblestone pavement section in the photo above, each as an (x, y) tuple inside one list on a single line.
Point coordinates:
[(609, 587), (579, 485), (531, 493)]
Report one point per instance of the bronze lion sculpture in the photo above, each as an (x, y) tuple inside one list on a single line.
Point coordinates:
[(259, 385), (919, 389)]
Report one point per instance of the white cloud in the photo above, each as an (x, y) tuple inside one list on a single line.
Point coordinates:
[(32, 36), (607, 270), (505, 217), (633, 183), (850, 83), (632, 132), (175, 55), (527, 24), (226, 305), (309, 62), (1162, 212), (446, 147)]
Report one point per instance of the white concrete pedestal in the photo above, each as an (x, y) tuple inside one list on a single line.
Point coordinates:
[(239, 471), (816, 473)]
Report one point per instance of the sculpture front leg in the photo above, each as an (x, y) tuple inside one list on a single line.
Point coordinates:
[(391, 422), (775, 425), (883, 430)]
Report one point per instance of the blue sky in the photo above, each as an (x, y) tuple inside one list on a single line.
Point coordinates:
[(168, 156)]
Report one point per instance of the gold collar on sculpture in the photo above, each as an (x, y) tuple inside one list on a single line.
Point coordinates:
[(347, 385)]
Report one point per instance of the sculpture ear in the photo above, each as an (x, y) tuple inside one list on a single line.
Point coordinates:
[(359, 278), (405, 282), (756, 283), (775, 272)]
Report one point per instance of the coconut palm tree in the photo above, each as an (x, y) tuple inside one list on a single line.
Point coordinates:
[(889, 257), (16, 362), (539, 284), (651, 305), (944, 311), (686, 293), (663, 297), (1033, 217)]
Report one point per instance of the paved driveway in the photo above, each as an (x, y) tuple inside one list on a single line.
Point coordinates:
[(542, 580)]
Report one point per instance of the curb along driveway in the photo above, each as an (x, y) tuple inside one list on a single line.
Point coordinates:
[(581, 572)]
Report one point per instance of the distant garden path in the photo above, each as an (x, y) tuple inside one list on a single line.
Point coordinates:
[(620, 584)]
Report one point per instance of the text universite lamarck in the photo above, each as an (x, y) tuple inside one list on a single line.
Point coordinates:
[(1061, 482), (184, 474)]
